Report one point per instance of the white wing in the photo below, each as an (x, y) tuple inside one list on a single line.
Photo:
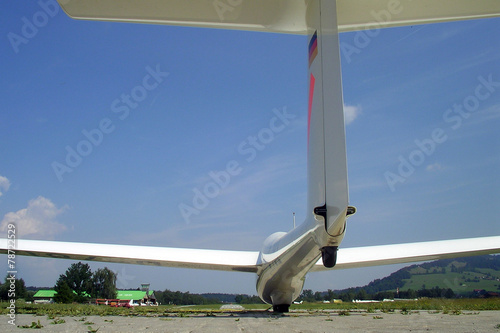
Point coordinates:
[(247, 261), (412, 252), (241, 261), (286, 16), (374, 14)]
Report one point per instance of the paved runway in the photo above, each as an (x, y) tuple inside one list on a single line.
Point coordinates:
[(421, 321)]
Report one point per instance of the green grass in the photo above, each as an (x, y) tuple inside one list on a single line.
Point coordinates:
[(344, 313), (35, 325), (456, 281), (57, 321), (467, 304), (81, 310), (92, 330)]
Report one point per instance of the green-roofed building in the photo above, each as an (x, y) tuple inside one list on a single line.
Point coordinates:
[(137, 296), (44, 296), (47, 296)]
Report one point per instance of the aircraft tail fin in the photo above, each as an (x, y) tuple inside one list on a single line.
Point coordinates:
[(327, 164)]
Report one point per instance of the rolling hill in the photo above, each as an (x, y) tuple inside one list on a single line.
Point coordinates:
[(464, 276)]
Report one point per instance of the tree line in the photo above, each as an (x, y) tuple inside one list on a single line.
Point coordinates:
[(361, 294), (18, 286), (182, 298), (79, 283)]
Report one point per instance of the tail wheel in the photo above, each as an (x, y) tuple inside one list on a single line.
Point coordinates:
[(281, 308), (329, 256)]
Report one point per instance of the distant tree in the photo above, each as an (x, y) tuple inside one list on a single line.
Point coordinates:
[(384, 295), (78, 278), (180, 298), (245, 299), (104, 283), (349, 295), (449, 293), (412, 294), (64, 294), (15, 290), (318, 296), (307, 295), (361, 295), (330, 295), (29, 295)]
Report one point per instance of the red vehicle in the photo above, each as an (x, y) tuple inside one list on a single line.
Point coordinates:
[(116, 303)]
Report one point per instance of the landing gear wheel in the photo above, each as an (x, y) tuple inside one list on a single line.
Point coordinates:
[(281, 308), (329, 255)]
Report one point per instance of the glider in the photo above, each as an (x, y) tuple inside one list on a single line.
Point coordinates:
[(285, 258)]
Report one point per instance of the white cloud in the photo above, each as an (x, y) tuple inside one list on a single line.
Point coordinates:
[(434, 167), (4, 184), (38, 219), (351, 113)]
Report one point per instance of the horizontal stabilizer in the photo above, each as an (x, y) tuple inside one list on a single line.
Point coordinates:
[(284, 16), (240, 261), (412, 252)]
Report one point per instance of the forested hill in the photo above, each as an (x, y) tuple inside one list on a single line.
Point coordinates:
[(462, 275)]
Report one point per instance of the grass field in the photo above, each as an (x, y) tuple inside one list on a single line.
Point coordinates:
[(459, 282), (441, 305)]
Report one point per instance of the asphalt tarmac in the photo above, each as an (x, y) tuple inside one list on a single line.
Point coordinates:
[(419, 321)]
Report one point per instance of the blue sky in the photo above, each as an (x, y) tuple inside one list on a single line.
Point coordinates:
[(167, 106)]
